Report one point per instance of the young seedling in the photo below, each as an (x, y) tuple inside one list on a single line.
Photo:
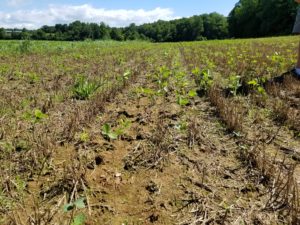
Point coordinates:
[(124, 77), (234, 84), (256, 85), (83, 136), (36, 116), (182, 101), (162, 79), (182, 126), (124, 124), (192, 93), (203, 78), (78, 204), (108, 132)]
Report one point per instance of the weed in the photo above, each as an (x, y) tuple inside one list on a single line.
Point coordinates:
[(83, 88), (108, 132), (83, 136), (33, 78), (126, 75), (124, 78), (123, 126), (182, 126), (35, 116)]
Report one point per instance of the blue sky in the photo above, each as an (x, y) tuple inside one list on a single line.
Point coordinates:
[(33, 14)]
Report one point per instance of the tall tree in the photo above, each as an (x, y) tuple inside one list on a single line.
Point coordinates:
[(116, 34), (104, 31), (2, 33), (131, 32), (253, 18)]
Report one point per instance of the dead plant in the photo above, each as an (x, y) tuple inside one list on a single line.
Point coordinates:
[(230, 112)]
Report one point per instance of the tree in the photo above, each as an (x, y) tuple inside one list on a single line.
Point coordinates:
[(95, 31), (25, 34), (116, 34), (277, 16), (255, 18), (215, 26), (39, 35), (2, 33), (243, 19), (104, 31), (74, 31), (131, 32)]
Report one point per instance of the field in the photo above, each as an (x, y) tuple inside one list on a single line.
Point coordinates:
[(140, 133)]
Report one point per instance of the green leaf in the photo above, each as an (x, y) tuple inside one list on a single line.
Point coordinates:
[(79, 219), (252, 82), (106, 129), (39, 115), (148, 91), (113, 135), (27, 116), (261, 90), (196, 71), (79, 203), (182, 101), (126, 75), (192, 93), (68, 207)]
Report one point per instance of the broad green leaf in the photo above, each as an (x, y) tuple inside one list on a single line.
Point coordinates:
[(79, 219), (106, 129), (79, 203), (113, 135), (68, 207), (192, 93), (39, 114), (252, 82), (182, 101)]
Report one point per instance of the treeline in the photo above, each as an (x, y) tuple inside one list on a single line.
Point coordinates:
[(249, 18), (206, 26), (257, 18)]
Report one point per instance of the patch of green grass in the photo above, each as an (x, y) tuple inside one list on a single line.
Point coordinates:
[(84, 88)]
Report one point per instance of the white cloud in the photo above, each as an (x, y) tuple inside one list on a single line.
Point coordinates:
[(15, 2), (54, 14)]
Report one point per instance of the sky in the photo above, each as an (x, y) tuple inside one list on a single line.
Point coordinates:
[(33, 14)]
